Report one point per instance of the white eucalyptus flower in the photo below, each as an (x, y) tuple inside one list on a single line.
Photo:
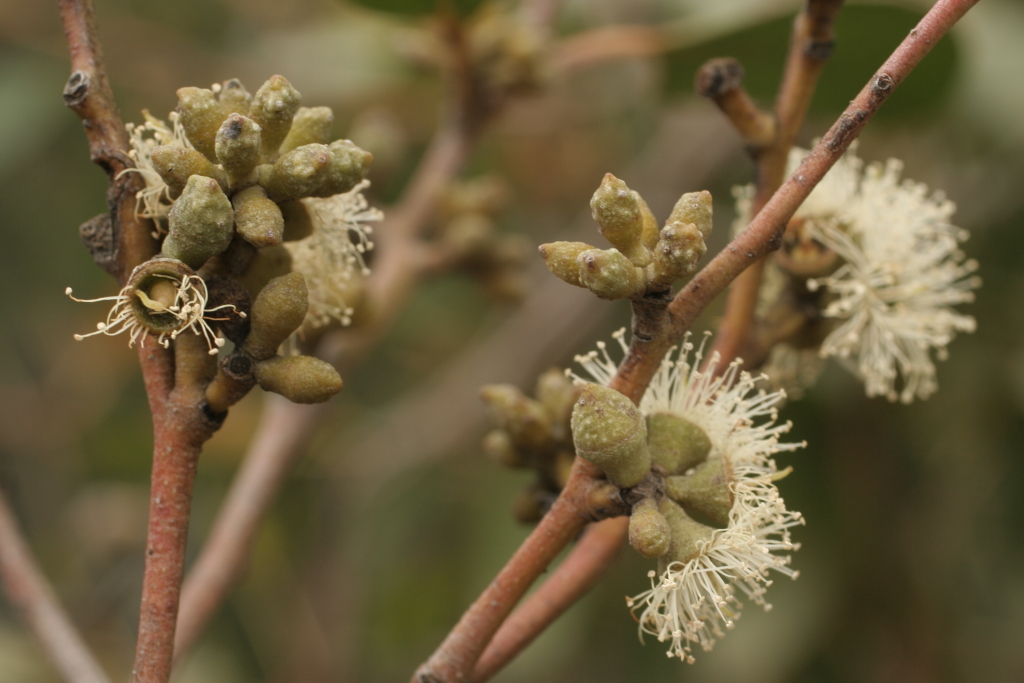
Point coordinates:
[(334, 254), (693, 598), (902, 273)]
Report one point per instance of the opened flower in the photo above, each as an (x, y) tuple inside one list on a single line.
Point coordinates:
[(714, 436)]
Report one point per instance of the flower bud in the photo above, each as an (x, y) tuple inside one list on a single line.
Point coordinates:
[(650, 231), (234, 98), (258, 219), (201, 116), (348, 165), (525, 420), (296, 174), (499, 447), (704, 491), (298, 221), (300, 379), (688, 535), (676, 255), (558, 394), (238, 149), (610, 432), (649, 533), (273, 107), (675, 443), (310, 125), (617, 210), (610, 275), (693, 208), (199, 223), (277, 312), (177, 164), (560, 258)]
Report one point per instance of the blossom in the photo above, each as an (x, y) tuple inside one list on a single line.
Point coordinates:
[(692, 599), (902, 272), (136, 313), (333, 257), (154, 200)]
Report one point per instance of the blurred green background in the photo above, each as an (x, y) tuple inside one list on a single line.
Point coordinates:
[(912, 567)]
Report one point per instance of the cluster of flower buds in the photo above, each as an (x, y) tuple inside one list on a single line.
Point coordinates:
[(469, 236), (235, 177), (611, 432), (535, 434), (644, 259), (507, 53)]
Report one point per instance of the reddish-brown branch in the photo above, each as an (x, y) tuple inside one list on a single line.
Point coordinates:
[(607, 43), (572, 579), (89, 95), (810, 46), (457, 655), (455, 658), (282, 434), (29, 591)]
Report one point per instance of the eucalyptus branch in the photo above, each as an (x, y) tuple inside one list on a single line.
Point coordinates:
[(125, 239), (28, 589), (456, 658), (580, 571), (810, 46)]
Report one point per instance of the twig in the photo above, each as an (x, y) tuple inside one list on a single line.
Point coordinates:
[(574, 577), (457, 655), (89, 95), (810, 46), (28, 589)]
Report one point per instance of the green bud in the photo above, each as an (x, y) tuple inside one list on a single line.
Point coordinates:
[(348, 166), (526, 421), (300, 379), (617, 210), (678, 251), (676, 444), (296, 174), (177, 164), (650, 231), (610, 275), (693, 208), (558, 394), (687, 535), (310, 125), (610, 432), (268, 263), (201, 116), (499, 447), (704, 491), (560, 258), (234, 98), (199, 223), (298, 221), (649, 533), (238, 150), (273, 107), (277, 312), (258, 219)]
